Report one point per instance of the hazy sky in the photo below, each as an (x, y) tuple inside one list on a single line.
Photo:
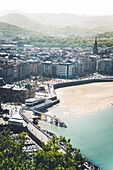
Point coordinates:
[(85, 7)]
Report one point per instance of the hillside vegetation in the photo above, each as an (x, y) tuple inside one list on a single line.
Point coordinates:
[(8, 30)]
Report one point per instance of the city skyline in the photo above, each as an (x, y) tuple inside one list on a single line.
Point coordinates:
[(78, 7)]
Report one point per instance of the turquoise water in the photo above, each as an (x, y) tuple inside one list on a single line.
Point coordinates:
[(92, 133)]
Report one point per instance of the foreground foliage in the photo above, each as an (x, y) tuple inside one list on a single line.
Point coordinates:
[(51, 157), (12, 156)]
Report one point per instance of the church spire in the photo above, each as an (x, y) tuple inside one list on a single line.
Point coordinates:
[(95, 48)]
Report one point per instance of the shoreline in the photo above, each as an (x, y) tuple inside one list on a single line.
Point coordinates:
[(85, 99), (88, 98)]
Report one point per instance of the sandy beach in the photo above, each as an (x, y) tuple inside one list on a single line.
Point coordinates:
[(86, 98), (87, 112)]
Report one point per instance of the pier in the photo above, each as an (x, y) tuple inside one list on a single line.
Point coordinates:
[(36, 133), (51, 119)]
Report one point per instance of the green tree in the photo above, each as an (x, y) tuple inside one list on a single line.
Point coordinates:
[(12, 156), (52, 157)]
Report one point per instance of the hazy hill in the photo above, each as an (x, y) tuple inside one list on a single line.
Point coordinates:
[(21, 21), (57, 20), (62, 20), (5, 26), (8, 30), (60, 24)]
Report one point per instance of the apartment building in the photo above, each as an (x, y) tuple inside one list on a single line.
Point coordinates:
[(88, 65), (47, 68), (65, 70), (80, 68), (105, 66)]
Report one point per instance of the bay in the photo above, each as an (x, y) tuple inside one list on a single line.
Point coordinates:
[(91, 132)]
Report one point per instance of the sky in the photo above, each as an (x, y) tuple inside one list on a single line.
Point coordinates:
[(79, 7)]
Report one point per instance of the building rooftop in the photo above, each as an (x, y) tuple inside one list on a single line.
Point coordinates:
[(13, 87)]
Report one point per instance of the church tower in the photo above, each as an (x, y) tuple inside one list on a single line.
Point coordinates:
[(95, 48)]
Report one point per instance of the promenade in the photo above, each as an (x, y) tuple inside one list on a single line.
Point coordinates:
[(36, 131)]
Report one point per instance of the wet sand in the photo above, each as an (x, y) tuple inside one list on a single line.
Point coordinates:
[(86, 98)]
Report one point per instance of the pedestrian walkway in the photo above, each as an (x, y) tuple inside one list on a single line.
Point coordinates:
[(37, 132)]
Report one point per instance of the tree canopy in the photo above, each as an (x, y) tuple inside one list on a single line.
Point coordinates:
[(50, 157), (12, 156)]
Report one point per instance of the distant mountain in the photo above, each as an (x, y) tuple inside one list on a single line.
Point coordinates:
[(62, 20), (8, 30), (8, 27), (60, 24), (21, 21), (57, 20)]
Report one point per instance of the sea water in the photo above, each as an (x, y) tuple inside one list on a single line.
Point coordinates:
[(92, 133)]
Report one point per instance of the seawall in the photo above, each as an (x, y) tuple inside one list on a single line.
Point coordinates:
[(80, 82)]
